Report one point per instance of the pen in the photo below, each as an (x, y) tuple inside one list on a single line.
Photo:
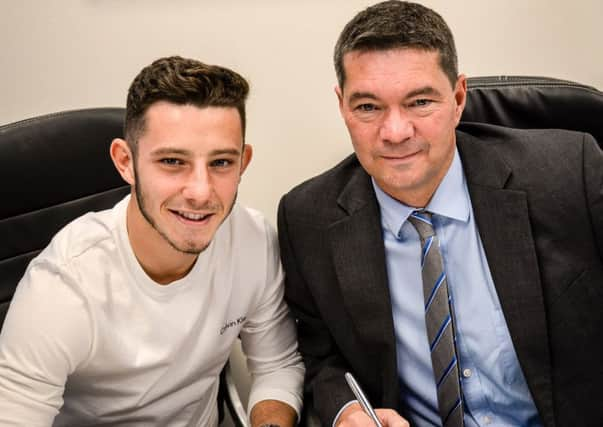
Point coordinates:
[(366, 406)]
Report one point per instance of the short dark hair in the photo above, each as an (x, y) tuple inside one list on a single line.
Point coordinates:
[(182, 81), (397, 24)]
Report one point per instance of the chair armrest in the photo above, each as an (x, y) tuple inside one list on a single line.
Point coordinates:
[(232, 399)]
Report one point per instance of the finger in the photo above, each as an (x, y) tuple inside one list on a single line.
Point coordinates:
[(390, 418)]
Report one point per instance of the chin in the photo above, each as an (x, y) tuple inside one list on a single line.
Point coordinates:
[(190, 248)]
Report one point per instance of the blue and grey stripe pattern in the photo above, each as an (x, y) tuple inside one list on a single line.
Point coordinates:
[(439, 320)]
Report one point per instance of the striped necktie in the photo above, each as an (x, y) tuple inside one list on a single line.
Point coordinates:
[(439, 321)]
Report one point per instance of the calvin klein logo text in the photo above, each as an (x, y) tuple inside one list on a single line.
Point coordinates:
[(232, 323)]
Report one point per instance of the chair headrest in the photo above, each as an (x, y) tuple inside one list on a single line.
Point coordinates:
[(536, 103), (50, 159)]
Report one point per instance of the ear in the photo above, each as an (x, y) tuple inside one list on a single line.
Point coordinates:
[(123, 159), (246, 157), (339, 93), (460, 96)]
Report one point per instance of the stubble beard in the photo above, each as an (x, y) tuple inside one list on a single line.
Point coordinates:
[(140, 199)]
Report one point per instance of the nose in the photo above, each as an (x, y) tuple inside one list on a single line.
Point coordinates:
[(396, 127), (198, 185)]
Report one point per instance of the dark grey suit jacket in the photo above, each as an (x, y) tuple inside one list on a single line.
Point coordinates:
[(538, 201)]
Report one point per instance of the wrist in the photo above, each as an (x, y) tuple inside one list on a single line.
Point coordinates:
[(347, 410)]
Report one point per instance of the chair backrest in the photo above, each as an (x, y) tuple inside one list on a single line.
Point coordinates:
[(53, 168), (535, 102)]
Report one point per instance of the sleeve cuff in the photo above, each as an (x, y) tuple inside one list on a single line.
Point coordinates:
[(343, 408)]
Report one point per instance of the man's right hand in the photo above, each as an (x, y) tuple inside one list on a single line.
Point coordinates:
[(354, 416)]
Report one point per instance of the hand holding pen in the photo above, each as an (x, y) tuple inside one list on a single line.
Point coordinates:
[(369, 416), (361, 398)]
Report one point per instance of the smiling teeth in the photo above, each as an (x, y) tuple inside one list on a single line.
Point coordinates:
[(192, 216)]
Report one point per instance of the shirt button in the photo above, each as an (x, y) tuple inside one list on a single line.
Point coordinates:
[(467, 373), (487, 420)]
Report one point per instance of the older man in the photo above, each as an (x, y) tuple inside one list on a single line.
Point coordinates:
[(458, 274)]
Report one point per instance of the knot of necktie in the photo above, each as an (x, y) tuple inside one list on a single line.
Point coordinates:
[(421, 220)]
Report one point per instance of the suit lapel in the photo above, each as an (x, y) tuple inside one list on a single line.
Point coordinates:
[(504, 227), (359, 258)]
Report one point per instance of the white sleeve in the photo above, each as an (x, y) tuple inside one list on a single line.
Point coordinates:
[(269, 341), (46, 334)]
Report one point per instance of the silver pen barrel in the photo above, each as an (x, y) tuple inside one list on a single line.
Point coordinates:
[(360, 396)]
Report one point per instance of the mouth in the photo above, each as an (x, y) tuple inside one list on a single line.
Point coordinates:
[(192, 217), (400, 157)]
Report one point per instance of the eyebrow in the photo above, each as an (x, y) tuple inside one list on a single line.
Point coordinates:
[(227, 151), (425, 90), (168, 151), (361, 95)]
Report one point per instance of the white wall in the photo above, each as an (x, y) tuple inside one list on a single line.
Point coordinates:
[(67, 54)]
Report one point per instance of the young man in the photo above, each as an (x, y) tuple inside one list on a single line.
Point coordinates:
[(496, 325), (129, 315)]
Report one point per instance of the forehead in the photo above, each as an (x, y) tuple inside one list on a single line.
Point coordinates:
[(167, 112), (187, 124), (409, 66)]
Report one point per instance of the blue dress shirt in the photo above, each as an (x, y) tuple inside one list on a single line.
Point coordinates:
[(494, 389)]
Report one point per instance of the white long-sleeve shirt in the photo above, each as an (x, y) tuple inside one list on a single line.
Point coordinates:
[(90, 339)]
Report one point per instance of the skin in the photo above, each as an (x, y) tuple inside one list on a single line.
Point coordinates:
[(401, 112), (184, 182), (268, 412), (354, 416)]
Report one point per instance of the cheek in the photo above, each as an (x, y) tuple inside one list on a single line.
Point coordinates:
[(226, 187), (439, 132), (363, 136), (159, 189)]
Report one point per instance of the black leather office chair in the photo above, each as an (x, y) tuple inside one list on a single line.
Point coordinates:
[(53, 169), (535, 103)]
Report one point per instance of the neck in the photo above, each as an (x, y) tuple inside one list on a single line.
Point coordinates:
[(160, 261), (418, 201)]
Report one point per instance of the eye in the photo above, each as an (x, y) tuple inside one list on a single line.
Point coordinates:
[(365, 108), (170, 161), (421, 102), (221, 163)]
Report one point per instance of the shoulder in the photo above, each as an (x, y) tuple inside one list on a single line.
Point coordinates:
[(318, 196), (328, 183), (82, 235), (52, 299), (538, 161), (73, 256), (501, 138), (245, 222), (244, 255), (521, 148), (246, 234)]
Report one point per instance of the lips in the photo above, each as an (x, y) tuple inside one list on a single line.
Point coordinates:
[(191, 216), (401, 156)]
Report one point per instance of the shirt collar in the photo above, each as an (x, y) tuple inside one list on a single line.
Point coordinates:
[(451, 200)]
